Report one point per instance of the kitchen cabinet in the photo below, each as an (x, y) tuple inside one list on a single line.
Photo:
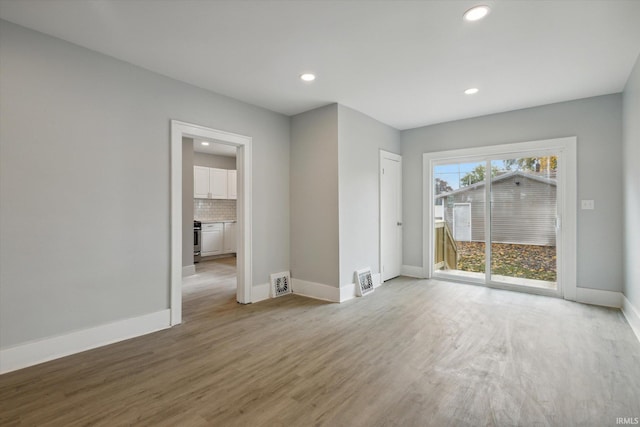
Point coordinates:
[(214, 183), (232, 184), (218, 238), (200, 182), (218, 183), (230, 244), (212, 239)]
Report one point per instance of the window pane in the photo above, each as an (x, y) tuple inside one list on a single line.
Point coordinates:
[(459, 212), (523, 219)]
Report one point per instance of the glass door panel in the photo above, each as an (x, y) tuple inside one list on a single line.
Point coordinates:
[(523, 213), (459, 219)]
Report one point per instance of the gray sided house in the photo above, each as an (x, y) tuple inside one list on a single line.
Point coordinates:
[(523, 210)]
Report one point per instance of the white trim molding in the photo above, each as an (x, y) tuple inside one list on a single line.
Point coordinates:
[(632, 314), (44, 350), (566, 150), (260, 292), (315, 290), (599, 297), (188, 270), (412, 271), (244, 228)]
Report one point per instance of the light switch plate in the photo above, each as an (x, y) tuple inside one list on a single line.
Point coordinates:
[(587, 204)]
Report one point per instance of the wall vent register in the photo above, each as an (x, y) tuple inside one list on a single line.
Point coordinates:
[(280, 284)]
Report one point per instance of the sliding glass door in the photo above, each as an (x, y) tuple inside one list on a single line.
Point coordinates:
[(495, 220), (523, 213)]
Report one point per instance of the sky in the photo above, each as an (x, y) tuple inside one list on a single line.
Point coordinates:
[(453, 172)]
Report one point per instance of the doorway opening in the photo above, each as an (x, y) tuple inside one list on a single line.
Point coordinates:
[(212, 246), (209, 199), (503, 216)]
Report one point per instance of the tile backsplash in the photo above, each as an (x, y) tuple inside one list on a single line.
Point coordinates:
[(214, 210)]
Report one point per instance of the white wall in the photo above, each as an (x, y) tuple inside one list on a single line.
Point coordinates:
[(213, 161), (314, 196), (631, 180), (89, 136), (360, 139), (597, 123)]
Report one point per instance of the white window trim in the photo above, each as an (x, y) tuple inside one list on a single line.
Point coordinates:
[(567, 199)]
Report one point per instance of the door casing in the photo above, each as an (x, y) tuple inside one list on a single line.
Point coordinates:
[(244, 225)]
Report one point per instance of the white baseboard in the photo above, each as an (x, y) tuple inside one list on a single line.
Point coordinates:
[(189, 270), (300, 287), (260, 292), (315, 290), (632, 314), (412, 271), (599, 297), (348, 291), (36, 352)]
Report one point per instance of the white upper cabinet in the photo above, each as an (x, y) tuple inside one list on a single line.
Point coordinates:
[(200, 182), (218, 183), (214, 183), (232, 184)]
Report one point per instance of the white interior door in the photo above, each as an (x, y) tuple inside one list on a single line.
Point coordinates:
[(390, 215)]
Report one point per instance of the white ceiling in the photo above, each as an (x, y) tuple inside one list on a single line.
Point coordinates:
[(405, 63)]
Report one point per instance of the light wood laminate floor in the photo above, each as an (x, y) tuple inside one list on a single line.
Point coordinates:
[(413, 353)]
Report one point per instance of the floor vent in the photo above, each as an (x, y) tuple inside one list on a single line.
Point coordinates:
[(280, 284), (364, 282)]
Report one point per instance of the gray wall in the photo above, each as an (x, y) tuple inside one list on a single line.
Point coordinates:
[(335, 193), (213, 161), (360, 139), (597, 122), (187, 201), (314, 196), (631, 182), (88, 136)]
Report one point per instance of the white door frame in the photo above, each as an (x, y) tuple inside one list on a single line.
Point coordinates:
[(244, 267), (393, 156), (567, 200)]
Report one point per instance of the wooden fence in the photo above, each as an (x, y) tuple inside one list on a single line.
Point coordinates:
[(445, 248)]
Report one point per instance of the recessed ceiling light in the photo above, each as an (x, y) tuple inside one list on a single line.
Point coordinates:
[(205, 143), (471, 91), (307, 77), (476, 13)]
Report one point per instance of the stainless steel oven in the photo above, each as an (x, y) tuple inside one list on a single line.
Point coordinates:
[(197, 238)]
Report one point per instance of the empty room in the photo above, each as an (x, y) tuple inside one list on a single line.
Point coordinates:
[(319, 213)]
